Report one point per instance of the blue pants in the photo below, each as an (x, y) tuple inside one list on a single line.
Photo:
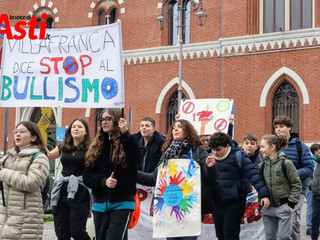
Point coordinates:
[(308, 195)]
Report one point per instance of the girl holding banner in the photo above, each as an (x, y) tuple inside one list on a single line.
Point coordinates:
[(111, 173), (70, 213), (182, 141), (23, 172)]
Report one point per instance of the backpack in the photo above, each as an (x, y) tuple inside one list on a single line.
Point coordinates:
[(283, 167), (45, 189), (239, 163)]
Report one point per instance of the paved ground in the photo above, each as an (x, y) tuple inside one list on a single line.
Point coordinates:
[(49, 229)]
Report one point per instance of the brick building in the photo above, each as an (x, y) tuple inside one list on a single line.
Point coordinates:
[(261, 53)]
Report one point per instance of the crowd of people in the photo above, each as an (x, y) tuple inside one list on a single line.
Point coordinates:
[(99, 176)]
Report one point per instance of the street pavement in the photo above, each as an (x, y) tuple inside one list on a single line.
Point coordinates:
[(49, 234)]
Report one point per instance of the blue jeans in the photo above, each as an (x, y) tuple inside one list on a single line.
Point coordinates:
[(315, 218), (308, 195)]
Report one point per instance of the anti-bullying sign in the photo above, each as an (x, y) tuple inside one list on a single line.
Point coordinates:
[(72, 68), (207, 115)]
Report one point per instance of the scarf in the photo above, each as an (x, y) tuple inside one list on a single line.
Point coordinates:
[(175, 148)]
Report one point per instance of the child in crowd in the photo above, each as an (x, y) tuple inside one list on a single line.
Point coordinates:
[(284, 185), (251, 146)]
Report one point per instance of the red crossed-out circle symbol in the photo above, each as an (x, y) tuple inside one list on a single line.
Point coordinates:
[(220, 124), (188, 107)]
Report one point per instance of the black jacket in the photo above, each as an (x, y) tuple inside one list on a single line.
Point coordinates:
[(150, 154), (210, 190), (95, 177)]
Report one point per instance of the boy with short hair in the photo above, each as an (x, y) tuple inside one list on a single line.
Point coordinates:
[(251, 146), (232, 180), (299, 154), (150, 142)]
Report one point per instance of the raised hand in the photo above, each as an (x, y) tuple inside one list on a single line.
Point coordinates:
[(184, 205), (159, 205), (162, 186), (177, 212), (111, 182), (175, 179), (187, 187), (190, 173), (162, 173), (172, 168)]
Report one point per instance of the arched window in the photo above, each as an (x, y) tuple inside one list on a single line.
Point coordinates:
[(286, 102), (49, 19), (113, 15), (102, 20), (107, 12), (172, 109), (173, 22)]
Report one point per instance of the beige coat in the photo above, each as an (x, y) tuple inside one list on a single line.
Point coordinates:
[(22, 217)]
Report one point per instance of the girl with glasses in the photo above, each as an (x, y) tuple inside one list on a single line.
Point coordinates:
[(23, 173), (111, 173)]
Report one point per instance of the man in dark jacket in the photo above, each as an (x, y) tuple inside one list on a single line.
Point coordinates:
[(150, 142), (300, 155), (233, 176)]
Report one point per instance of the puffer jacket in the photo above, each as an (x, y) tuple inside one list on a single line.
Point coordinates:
[(151, 153), (22, 216), (233, 179), (282, 189), (315, 184), (304, 165)]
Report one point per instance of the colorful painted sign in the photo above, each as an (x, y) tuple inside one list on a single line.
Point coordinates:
[(207, 115), (73, 68), (251, 225), (177, 204)]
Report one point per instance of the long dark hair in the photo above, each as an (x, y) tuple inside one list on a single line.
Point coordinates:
[(190, 135), (34, 131), (68, 144), (118, 154)]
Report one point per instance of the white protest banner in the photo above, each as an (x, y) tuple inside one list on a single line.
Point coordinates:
[(143, 230), (177, 199), (207, 115), (73, 68), (251, 225)]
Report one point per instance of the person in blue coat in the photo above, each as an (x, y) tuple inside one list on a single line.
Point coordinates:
[(300, 155), (233, 177)]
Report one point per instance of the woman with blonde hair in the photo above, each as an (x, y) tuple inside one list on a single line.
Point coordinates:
[(111, 173)]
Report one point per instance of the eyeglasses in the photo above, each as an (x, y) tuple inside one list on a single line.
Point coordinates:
[(21, 131), (107, 119)]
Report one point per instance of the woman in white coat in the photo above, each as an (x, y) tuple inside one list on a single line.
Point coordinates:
[(23, 172)]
